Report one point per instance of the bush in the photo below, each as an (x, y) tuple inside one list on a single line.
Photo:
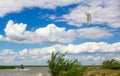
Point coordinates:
[(59, 66), (111, 64)]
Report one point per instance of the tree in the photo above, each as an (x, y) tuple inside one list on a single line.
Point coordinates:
[(59, 65)]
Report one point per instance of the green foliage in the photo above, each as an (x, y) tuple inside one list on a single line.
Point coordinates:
[(76, 71), (62, 73), (59, 66), (111, 64), (7, 67), (72, 72), (81, 71)]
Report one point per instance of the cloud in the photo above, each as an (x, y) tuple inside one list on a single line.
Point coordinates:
[(1, 37), (102, 12), (56, 34), (117, 58), (16, 32), (83, 52), (94, 33), (52, 17), (90, 47), (16, 6), (50, 34)]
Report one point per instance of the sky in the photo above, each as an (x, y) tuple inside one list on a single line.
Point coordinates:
[(30, 30)]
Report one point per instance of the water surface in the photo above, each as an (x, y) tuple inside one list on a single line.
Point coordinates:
[(28, 71)]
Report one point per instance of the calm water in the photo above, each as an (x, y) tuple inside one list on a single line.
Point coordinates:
[(28, 71)]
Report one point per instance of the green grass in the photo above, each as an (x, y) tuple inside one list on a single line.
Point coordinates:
[(97, 71), (93, 71)]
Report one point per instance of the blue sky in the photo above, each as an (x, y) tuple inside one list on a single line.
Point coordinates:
[(31, 30)]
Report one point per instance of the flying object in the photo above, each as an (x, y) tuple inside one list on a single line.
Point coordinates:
[(88, 18)]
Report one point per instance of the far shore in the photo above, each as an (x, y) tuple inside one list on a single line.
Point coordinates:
[(18, 66)]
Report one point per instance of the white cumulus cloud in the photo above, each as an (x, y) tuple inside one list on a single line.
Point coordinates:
[(102, 12), (39, 56), (16, 32), (94, 33), (8, 6), (1, 37)]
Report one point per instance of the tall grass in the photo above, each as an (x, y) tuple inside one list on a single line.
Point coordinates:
[(111, 64), (59, 66)]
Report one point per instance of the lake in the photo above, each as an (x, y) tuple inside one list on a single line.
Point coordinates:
[(28, 71)]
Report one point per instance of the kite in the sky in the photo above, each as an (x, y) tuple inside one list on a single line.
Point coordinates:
[(88, 17)]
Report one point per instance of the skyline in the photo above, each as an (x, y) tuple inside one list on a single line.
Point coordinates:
[(31, 30)]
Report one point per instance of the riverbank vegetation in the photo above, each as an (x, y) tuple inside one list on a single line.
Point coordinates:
[(18, 66), (98, 71), (7, 67), (59, 66)]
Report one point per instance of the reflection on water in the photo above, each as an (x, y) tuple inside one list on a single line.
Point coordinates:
[(29, 71)]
